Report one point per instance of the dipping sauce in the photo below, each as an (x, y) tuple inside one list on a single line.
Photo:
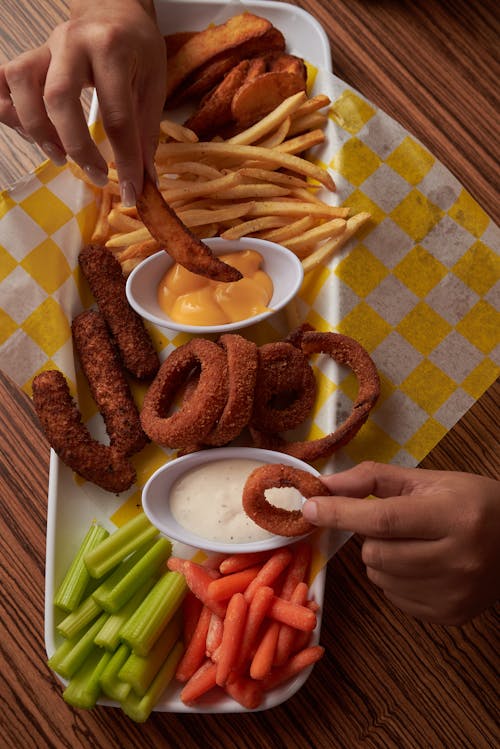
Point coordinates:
[(195, 300), (207, 501)]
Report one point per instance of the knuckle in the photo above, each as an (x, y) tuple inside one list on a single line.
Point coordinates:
[(116, 122), (371, 554), (57, 93), (18, 71), (385, 522)]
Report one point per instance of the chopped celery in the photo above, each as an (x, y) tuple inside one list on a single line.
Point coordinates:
[(78, 619), (116, 547), (84, 688), (121, 585), (72, 588), (65, 663), (140, 708), (139, 671), (110, 683), (146, 624), (109, 636)]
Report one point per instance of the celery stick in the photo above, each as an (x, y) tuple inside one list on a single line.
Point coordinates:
[(106, 584), (109, 636), (72, 588), (67, 664), (122, 542), (116, 590), (85, 613), (84, 688), (139, 671), (140, 708), (147, 623), (110, 683)]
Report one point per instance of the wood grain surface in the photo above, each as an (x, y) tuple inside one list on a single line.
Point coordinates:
[(386, 680)]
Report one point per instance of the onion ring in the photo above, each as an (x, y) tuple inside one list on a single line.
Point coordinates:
[(242, 361), (285, 389), (200, 411), (276, 519), (346, 351)]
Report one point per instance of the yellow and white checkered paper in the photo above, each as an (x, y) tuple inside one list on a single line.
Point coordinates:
[(418, 287)]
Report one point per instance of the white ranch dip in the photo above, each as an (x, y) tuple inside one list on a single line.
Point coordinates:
[(207, 501)]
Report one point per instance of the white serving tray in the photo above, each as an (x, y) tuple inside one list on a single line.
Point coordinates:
[(73, 505)]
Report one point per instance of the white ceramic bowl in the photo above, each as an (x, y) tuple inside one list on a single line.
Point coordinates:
[(284, 268), (156, 500)]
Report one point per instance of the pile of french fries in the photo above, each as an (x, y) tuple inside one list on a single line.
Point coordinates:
[(253, 184)]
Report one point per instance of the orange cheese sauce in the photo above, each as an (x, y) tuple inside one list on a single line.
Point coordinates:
[(195, 300)]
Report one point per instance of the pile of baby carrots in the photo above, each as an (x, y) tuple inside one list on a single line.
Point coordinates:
[(247, 623)]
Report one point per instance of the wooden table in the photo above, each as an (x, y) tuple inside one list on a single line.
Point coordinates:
[(386, 680)]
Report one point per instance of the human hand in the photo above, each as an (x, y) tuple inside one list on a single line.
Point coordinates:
[(114, 45), (432, 538)]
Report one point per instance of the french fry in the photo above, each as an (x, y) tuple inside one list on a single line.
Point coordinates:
[(289, 230), (301, 243), (139, 250), (269, 123), (124, 239), (296, 208), (253, 226), (312, 105), (261, 190), (195, 168), (277, 137), (267, 175), (171, 152), (178, 132), (327, 250), (301, 142), (199, 217), (201, 189), (119, 221), (311, 121), (101, 228)]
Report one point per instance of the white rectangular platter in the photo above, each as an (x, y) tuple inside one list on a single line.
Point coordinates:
[(73, 505)]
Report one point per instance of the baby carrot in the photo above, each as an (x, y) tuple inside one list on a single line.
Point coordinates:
[(198, 579), (257, 611), (298, 569), (191, 610), (202, 681), (262, 661), (227, 585), (176, 564), (237, 562), (246, 691), (194, 655), (288, 634), (232, 634), (300, 617), (269, 571), (293, 666), (214, 634)]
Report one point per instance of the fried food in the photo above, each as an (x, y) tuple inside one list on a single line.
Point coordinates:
[(176, 239), (347, 351), (107, 283), (259, 96), (214, 110), (198, 413), (213, 41), (109, 388), (276, 519), (61, 421), (242, 359), (285, 389)]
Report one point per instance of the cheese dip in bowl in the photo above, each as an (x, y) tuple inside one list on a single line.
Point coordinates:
[(196, 499)]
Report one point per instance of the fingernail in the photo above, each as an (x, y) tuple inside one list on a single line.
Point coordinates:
[(55, 154), (310, 511), (98, 176), (127, 194), (24, 135)]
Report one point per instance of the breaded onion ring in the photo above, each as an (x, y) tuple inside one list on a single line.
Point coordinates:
[(276, 519), (107, 283), (198, 413), (108, 385), (70, 439), (346, 351), (285, 389), (242, 374)]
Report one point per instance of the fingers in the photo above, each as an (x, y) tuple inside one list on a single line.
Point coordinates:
[(22, 101), (69, 72), (408, 559), (394, 517), (367, 478)]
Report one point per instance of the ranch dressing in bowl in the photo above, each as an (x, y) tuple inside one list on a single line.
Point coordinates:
[(207, 501)]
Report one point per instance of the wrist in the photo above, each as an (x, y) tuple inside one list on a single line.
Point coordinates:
[(80, 7)]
